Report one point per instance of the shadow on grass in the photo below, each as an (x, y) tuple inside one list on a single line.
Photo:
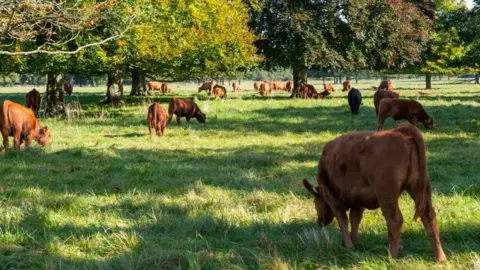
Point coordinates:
[(171, 237)]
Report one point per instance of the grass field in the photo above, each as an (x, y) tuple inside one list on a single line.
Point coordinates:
[(226, 194)]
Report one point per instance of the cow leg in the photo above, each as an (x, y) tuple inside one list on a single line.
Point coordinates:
[(188, 118), (162, 130), (394, 218), (381, 121), (5, 139), (356, 215), (150, 127), (17, 138), (178, 119), (429, 221)]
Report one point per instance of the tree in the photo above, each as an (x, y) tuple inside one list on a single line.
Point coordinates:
[(339, 34)]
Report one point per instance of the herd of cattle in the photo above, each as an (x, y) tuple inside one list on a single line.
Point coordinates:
[(357, 171)]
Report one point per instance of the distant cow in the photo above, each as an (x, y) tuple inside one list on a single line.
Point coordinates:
[(219, 91), (367, 170), (236, 87), (256, 86), (155, 86), (265, 89), (354, 100), (347, 85), (157, 118), (323, 94), (385, 85), (33, 101), (398, 109), (20, 122), (206, 86), (164, 88), (279, 86), (290, 86), (185, 108), (308, 91), (328, 87), (68, 88), (382, 94)]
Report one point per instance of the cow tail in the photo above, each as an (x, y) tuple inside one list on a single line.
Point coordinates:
[(423, 184), (5, 115)]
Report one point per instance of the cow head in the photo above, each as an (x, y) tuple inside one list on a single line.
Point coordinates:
[(427, 122), (324, 213), (201, 117), (43, 136)]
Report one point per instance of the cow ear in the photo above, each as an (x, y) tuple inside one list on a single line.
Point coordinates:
[(309, 187), (45, 128)]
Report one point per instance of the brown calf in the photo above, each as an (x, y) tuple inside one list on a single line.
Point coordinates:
[(219, 91), (328, 87), (382, 94), (398, 109), (157, 118), (236, 87), (20, 122), (206, 86), (256, 86), (386, 85), (347, 85), (290, 86), (33, 99), (185, 108), (265, 89), (346, 181)]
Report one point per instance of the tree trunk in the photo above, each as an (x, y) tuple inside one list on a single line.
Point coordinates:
[(428, 81), (115, 86), (299, 78), (55, 95), (477, 78), (138, 83)]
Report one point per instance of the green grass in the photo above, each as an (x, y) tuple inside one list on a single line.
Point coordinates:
[(226, 194)]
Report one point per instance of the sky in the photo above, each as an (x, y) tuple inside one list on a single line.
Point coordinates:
[(470, 3)]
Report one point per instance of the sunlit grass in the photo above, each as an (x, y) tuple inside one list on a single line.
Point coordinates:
[(226, 194)]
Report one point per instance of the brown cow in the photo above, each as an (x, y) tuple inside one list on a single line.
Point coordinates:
[(256, 86), (68, 87), (265, 89), (398, 109), (164, 88), (33, 101), (206, 86), (219, 91), (236, 87), (347, 85), (382, 94), (308, 91), (385, 85), (20, 122), (328, 87), (157, 118), (323, 94), (290, 86), (279, 86), (155, 86), (346, 181), (185, 108)]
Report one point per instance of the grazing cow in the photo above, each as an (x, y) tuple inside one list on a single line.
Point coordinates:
[(157, 118), (323, 94), (398, 109), (33, 101), (290, 86), (219, 91), (279, 86), (265, 89), (382, 94), (256, 86), (385, 85), (185, 108), (425, 93), (155, 86), (20, 122), (236, 87), (164, 88), (68, 87), (354, 100), (206, 86), (328, 87), (347, 85), (367, 170)]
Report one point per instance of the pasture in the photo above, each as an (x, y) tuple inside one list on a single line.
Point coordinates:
[(226, 194)]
